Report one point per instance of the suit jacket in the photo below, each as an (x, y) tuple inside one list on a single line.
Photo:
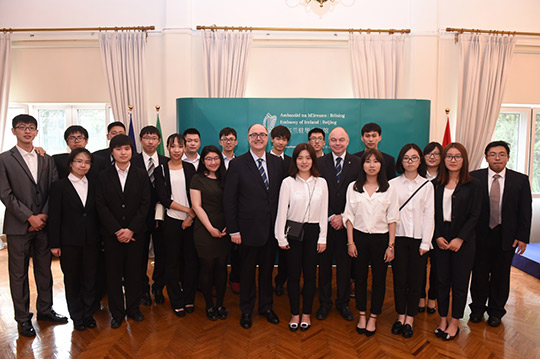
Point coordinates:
[(62, 165), (466, 207), (389, 164), (21, 195), (286, 161), (163, 182), (516, 208), (123, 209), (105, 154), (70, 221), (337, 192), (249, 208)]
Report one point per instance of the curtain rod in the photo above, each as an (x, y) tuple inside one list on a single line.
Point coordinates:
[(67, 29), (249, 28), (478, 31)]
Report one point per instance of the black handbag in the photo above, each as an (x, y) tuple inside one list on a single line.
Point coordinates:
[(294, 230)]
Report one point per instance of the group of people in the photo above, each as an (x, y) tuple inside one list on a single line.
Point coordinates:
[(98, 213)]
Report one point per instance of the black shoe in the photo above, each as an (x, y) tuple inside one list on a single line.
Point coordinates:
[(476, 317), (293, 327), (245, 321), (397, 328), (211, 313), (304, 326), (447, 337), (361, 331), (158, 296), (137, 316), (271, 317), (222, 313), (279, 290), (116, 323), (439, 333), (407, 331), (322, 313), (26, 329), (190, 309), (79, 325), (371, 332), (90, 322), (421, 309), (494, 321), (52, 316), (146, 300), (346, 313), (431, 310), (180, 313)]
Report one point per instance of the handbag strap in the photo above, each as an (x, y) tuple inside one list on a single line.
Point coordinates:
[(412, 195), (310, 196)]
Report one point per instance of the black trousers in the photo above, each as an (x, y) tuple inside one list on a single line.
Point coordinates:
[(80, 267), (453, 273), (371, 249), (158, 275), (407, 269), (432, 292), (235, 260), (281, 276), (302, 258), (123, 261), (336, 245), (263, 256), (491, 275), (20, 247), (181, 254)]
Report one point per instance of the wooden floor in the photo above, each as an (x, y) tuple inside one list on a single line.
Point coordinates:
[(163, 335)]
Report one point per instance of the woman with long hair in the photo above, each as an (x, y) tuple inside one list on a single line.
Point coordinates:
[(210, 235), (370, 216), (457, 209), (301, 225)]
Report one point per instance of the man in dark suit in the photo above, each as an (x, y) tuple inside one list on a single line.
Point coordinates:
[(280, 137), (113, 129), (250, 201), (25, 181), (77, 137), (316, 139), (122, 201), (504, 228), (371, 136), (338, 168), (148, 160)]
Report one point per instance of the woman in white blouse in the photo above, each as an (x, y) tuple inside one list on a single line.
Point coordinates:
[(303, 199), (414, 233), (371, 214)]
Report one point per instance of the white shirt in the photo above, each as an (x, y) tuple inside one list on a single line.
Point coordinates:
[(334, 156), (81, 186), (447, 204), (178, 194), (431, 176), (255, 158), (122, 175), (282, 156), (154, 158), (194, 162), (293, 205), (371, 214), (417, 218), (501, 180), (31, 160), (226, 160)]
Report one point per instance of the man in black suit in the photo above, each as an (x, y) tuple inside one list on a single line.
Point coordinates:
[(77, 137), (316, 139), (148, 160), (371, 136), (123, 198), (338, 168), (504, 228), (113, 129), (250, 201), (280, 137), (25, 182)]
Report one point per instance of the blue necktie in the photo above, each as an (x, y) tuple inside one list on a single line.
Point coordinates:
[(338, 169), (263, 173)]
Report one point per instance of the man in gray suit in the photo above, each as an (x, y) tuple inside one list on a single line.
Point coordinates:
[(25, 180)]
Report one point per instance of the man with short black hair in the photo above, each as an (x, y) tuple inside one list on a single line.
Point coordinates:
[(113, 129), (371, 136), (228, 140), (316, 139), (193, 142)]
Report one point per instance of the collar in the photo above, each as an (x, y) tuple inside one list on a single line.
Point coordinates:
[(255, 157), (74, 178), (418, 179), (224, 156), (492, 173), (334, 156), (122, 171), (187, 159), (154, 158), (24, 153), (282, 156), (310, 179)]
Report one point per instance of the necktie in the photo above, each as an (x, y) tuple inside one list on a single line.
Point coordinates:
[(338, 169), (263, 173), (494, 199), (151, 170)]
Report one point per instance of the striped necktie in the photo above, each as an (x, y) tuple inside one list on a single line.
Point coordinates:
[(263, 173), (151, 170), (338, 169)]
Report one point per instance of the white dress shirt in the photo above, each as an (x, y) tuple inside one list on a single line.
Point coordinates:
[(501, 180), (447, 204), (226, 160), (81, 186), (194, 162), (31, 160), (122, 175), (371, 214), (417, 218), (178, 194), (293, 205), (431, 176)]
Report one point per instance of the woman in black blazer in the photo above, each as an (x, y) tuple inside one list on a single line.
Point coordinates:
[(457, 209), (172, 186), (73, 236)]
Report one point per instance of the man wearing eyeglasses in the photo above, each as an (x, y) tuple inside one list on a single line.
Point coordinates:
[(113, 129), (228, 141), (371, 136), (504, 228), (316, 139), (25, 181), (250, 201)]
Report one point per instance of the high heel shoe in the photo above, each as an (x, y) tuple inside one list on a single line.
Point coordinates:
[(359, 330), (449, 337), (293, 327), (371, 332), (439, 333), (431, 310), (304, 326)]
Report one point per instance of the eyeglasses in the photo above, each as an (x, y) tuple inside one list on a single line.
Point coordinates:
[(150, 138), (340, 140), (258, 135), (456, 158), (228, 139), (80, 162), (26, 128), (211, 159), (76, 138), (501, 155), (434, 154), (316, 139), (411, 159)]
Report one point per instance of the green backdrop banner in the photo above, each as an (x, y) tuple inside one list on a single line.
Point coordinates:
[(402, 121)]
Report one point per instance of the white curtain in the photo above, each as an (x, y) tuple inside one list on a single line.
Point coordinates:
[(484, 65), (377, 64), (225, 62), (5, 74), (123, 58)]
